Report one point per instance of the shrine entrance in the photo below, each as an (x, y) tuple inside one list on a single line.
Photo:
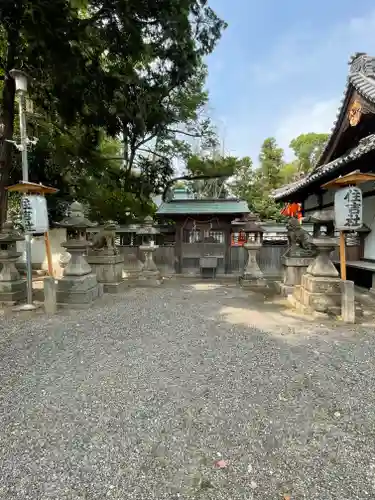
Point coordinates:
[(204, 247)]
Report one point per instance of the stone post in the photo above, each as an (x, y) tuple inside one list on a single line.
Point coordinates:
[(105, 260), (50, 302), (348, 302), (79, 286), (149, 274), (13, 288)]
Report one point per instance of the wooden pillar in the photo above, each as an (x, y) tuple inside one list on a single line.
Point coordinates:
[(227, 255), (178, 247)]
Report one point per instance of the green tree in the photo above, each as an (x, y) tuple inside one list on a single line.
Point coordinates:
[(170, 121), (104, 65), (255, 184), (307, 149), (217, 169), (271, 160)]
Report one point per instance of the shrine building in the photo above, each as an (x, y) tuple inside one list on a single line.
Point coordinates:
[(203, 228), (350, 149)]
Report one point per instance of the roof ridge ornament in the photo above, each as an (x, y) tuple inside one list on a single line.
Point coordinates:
[(361, 62)]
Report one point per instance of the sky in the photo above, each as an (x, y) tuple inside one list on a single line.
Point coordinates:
[(280, 67)]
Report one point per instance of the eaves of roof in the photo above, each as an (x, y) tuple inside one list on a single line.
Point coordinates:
[(366, 145), (203, 206), (362, 79)]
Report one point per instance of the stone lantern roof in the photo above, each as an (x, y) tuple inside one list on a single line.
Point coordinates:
[(249, 224), (148, 227), (8, 234), (76, 219)]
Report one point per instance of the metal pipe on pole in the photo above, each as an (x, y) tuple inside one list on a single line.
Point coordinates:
[(20, 79)]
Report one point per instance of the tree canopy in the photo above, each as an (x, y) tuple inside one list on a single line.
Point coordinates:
[(255, 184), (307, 149), (118, 92), (106, 69)]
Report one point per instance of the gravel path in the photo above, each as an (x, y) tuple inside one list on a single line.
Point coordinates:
[(139, 398)]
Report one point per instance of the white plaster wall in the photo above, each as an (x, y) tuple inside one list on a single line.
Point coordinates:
[(38, 251), (369, 220)]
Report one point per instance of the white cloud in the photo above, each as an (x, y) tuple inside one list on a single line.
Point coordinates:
[(309, 117), (302, 79), (317, 112)]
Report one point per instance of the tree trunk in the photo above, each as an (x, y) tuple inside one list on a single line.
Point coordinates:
[(6, 147), (8, 97)]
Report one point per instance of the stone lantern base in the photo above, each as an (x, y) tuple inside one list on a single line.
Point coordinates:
[(132, 267), (252, 275), (319, 294), (78, 291), (252, 282), (149, 274), (108, 269), (150, 278), (13, 288), (12, 292), (321, 287)]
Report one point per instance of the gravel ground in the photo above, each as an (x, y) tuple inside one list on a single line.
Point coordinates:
[(140, 397)]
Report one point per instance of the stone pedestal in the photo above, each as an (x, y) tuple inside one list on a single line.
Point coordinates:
[(132, 267), (78, 287), (294, 267), (252, 275), (150, 274), (13, 289), (321, 288), (108, 269)]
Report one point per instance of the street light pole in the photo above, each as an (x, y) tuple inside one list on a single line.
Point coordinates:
[(20, 79)]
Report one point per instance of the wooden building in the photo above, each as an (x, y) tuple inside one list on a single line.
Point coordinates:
[(203, 229), (350, 147)]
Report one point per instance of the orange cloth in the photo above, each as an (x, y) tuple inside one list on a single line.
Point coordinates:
[(292, 210)]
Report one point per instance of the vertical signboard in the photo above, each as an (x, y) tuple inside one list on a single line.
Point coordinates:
[(348, 209), (34, 214)]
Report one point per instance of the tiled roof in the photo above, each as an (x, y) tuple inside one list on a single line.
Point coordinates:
[(362, 79), (188, 207), (365, 145)]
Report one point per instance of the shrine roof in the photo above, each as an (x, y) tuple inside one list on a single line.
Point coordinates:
[(361, 78), (365, 146), (360, 82), (205, 206)]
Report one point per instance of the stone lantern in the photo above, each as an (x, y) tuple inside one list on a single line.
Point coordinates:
[(320, 288), (149, 274), (13, 288), (78, 286), (252, 275)]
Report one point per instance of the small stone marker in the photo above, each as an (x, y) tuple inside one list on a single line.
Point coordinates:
[(50, 285), (348, 302)]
